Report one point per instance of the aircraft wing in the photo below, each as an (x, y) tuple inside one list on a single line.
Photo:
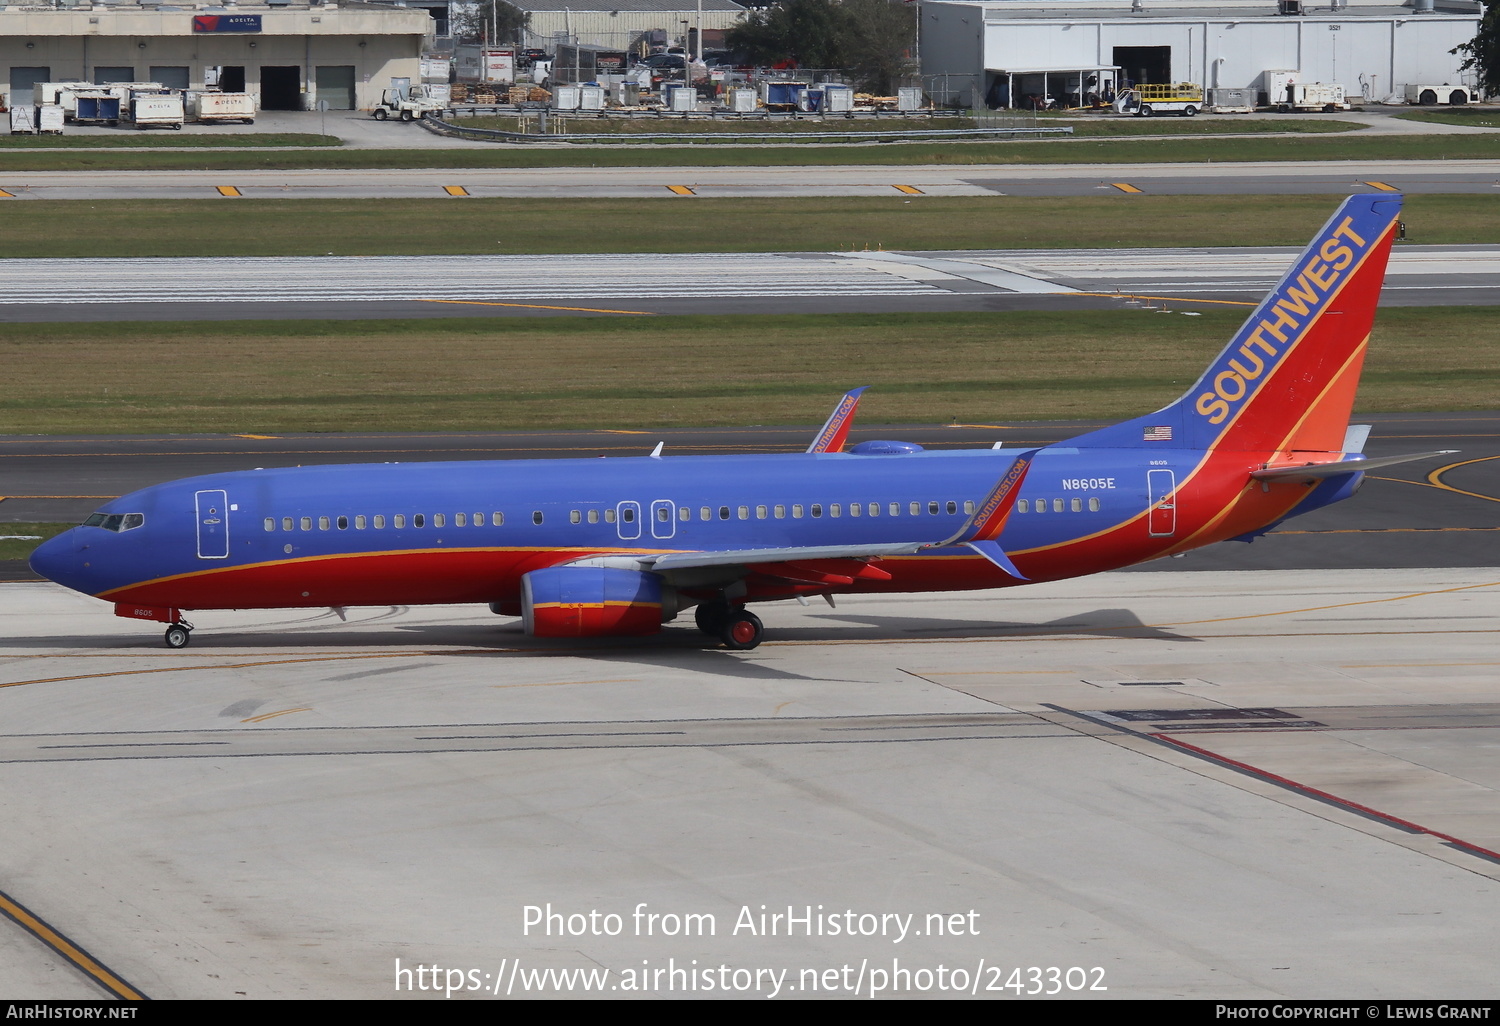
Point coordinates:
[(1313, 471), (732, 557)]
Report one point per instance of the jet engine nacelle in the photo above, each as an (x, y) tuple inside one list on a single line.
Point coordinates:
[(577, 601)]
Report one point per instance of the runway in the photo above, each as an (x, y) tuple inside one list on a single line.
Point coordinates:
[(727, 283), (1220, 785)]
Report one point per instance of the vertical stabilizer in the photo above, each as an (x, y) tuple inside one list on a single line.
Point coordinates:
[(1287, 379)]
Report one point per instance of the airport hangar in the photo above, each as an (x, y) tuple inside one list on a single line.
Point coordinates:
[(971, 51), (289, 53)]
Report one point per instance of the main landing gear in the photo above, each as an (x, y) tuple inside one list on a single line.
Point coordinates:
[(735, 626), (179, 634)]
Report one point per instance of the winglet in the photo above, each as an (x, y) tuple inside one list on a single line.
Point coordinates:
[(982, 530), (836, 429)]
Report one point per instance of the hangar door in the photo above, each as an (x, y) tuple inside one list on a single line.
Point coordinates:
[(173, 77), (23, 82), (280, 88), (336, 86), (1144, 63)]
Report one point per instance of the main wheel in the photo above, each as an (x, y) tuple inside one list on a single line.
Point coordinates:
[(1428, 98), (177, 636), (1458, 98), (742, 630), (381, 114), (711, 616)]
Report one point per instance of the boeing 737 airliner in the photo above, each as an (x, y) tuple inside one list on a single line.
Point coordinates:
[(621, 546)]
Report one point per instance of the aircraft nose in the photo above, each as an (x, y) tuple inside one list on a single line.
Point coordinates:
[(57, 559)]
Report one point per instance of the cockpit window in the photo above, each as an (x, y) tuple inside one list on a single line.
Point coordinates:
[(115, 521)]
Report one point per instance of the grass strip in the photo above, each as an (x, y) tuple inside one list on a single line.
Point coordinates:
[(642, 373), (356, 227)]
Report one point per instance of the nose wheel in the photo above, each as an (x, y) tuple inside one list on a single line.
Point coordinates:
[(178, 635)]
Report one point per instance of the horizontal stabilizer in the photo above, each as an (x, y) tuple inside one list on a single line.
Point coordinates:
[(1313, 471)]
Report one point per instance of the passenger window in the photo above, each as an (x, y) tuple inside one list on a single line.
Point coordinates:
[(932, 507), (1077, 505), (744, 512), (398, 521), (796, 511), (915, 508), (761, 512), (439, 520), (723, 512), (684, 513), (536, 517), (855, 509), (593, 516), (952, 507), (835, 509), (874, 509), (1023, 506), (323, 523), (359, 522), (1094, 505), (609, 516), (1057, 505), (780, 511), (968, 507), (462, 519), (498, 519), (379, 522), (286, 523), (895, 509), (663, 514), (307, 523), (574, 516), (343, 523), (418, 520), (270, 523), (704, 513), (817, 510)]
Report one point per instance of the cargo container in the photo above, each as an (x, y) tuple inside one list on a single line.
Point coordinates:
[(1231, 101), (156, 110), (205, 106), (97, 109), (23, 120)]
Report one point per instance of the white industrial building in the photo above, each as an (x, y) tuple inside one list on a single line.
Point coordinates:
[(996, 52), (289, 53), (626, 24)]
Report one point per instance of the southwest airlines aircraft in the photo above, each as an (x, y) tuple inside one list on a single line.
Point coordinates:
[(620, 546)]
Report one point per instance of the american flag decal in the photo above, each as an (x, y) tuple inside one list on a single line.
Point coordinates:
[(1160, 433)]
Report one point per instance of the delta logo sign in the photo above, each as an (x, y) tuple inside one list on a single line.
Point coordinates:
[(226, 23)]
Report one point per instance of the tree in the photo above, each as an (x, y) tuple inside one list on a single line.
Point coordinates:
[(1482, 53), (870, 38), (492, 21)]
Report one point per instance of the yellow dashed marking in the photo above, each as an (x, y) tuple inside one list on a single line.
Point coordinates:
[(227, 190), (1382, 187), (910, 190), (259, 437), (682, 190), (1124, 186), (455, 190), (280, 712)]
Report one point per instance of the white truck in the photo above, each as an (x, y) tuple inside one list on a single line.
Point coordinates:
[(221, 107), (407, 108), (1432, 95)]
